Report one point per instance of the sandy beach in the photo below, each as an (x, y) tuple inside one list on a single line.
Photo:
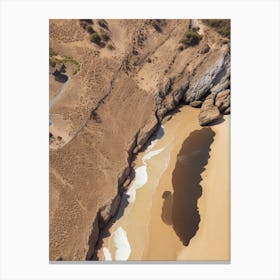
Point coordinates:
[(173, 214)]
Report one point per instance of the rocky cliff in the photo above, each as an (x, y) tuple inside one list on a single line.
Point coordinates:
[(112, 107)]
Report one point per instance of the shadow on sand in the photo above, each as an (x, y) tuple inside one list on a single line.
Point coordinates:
[(180, 208)]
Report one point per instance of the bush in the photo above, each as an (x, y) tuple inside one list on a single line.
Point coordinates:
[(110, 47), (222, 26), (89, 21), (103, 23), (181, 48), (83, 24), (90, 29), (52, 52), (104, 36), (191, 38), (95, 38), (52, 62), (155, 24)]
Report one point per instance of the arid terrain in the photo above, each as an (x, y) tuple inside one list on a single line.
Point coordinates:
[(112, 84)]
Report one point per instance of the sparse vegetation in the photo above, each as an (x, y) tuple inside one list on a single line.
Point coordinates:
[(191, 38), (98, 38), (222, 26), (52, 52), (89, 21), (195, 29), (181, 48), (104, 36), (103, 23), (84, 23), (155, 23), (110, 47), (55, 58), (89, 29), (95, 116), (95, 38)]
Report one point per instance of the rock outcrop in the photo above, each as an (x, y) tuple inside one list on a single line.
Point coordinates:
[(222, 100), (196, 104), (220, 87), (217, 73), (209, 111)]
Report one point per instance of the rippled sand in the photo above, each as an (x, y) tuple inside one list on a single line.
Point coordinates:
[(157, 224)]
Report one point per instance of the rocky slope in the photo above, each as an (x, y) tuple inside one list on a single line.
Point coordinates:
[(112, 106)]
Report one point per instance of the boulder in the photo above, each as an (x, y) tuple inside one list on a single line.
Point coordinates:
[(209, 112), (222, 100), (196, 104), (220, 87)]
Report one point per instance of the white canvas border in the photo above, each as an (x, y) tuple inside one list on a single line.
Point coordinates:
[(255, 138)]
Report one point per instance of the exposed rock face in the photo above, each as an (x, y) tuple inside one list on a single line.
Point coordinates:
[(220, 87), (222, 100), (217, 72), (168, 98), (145, 133), (109, 210), (209, 112), (196, 104)]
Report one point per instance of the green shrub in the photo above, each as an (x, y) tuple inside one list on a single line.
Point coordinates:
[(155, 24), (181, 48), (52, 52), (52, 62), (90, 29), (95, 38), (103, 23), (110, 47), (195, 29), (222, 26), (191, 38), (104, 36), (89, 21), (83, 24)]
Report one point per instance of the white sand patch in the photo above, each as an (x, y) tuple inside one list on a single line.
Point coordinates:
[(107, 254), (141, 175), (159, 134), (151, 154), (141, 178), (122, 245)]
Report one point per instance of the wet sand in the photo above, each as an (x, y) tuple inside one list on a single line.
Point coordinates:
[(182, 210)]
